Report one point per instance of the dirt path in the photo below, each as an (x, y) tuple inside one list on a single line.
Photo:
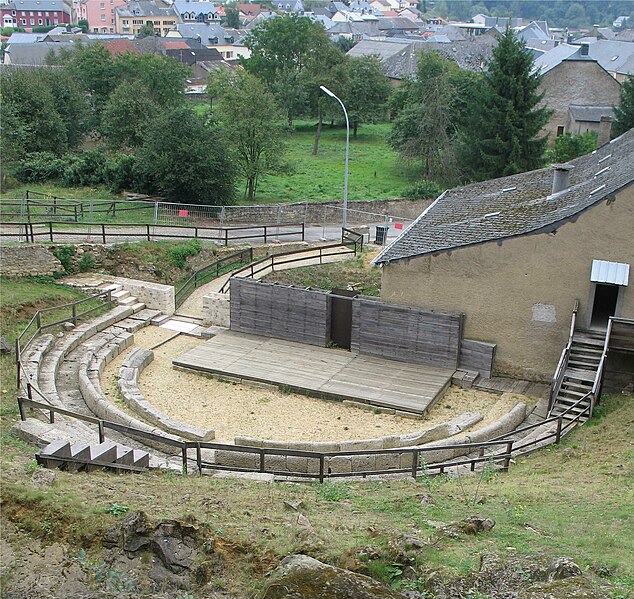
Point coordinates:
[(254, 411)]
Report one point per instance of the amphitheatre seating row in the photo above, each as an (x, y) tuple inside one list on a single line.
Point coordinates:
[(129, 372), (433, 451)]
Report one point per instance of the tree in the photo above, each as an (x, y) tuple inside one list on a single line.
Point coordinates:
[(624, 113), (367, 91), (146, 30), (184, 158), (85, 26), (281, 49), (423, 128), (250, 118), (502, 134), (127, 113), (31, 106), (232, 18), (569, 146)]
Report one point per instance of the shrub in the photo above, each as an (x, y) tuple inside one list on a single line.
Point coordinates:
[(38, 167), (569, 146), (118, 172), (65, 255), (86, 263), (423, 190), (179, 253), (85, 169)]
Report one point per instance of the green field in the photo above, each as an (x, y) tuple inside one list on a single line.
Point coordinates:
[(375, 171)]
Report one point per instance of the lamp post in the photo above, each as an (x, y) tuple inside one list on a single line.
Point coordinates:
[(345, 176)]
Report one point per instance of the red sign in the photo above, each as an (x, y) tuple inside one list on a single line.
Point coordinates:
[(398, 225), (183, 213)]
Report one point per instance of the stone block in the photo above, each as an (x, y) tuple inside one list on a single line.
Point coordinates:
[(363, 463), (338, 464), (387, 461), (235, 459)]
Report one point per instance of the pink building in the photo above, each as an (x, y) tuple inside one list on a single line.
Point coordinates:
[(100, 14), (34, 13)]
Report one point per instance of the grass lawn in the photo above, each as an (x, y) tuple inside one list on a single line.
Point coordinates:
[(375, 172)]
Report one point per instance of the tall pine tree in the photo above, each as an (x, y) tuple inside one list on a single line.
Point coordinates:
[(502, 137)]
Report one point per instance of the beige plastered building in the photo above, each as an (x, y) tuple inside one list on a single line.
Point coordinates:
[(514, 257)]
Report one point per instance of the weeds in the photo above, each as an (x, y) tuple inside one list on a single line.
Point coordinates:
[(179, 253), (333, 491), (32, 467), (116, 509), (111, 578)]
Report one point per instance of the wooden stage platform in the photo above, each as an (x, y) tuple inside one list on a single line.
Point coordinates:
[(321, 372)]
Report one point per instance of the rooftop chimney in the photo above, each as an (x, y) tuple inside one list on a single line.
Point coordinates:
[(585, 48), (605, 130), (561, 177)]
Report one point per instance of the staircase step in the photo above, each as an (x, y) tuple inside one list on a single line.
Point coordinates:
[(59, 448), (104, 452), (128, 301), (138, 306), (585, 340), (160, 319), (121, 294), (580, 374), (80, 451), (571, 393), (125, 455), (110, 287), (585, 387), (141, 459), (582, 364)]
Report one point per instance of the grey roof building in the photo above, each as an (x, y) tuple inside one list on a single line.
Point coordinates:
[(521, 204)]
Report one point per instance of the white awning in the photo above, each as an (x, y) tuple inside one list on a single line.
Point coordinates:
[(614, 273)]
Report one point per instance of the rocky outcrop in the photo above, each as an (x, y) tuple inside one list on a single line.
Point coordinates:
[(302, 577)]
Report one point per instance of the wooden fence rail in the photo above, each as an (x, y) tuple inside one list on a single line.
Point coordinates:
[(49, 230)]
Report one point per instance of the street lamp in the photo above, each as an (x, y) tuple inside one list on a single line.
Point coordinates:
[(345, 176)]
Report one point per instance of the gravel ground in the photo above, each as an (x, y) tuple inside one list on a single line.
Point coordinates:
[(247, 409)]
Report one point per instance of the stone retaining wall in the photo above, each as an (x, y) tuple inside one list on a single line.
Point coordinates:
[(26, 261), (132, 366), (216, 309)]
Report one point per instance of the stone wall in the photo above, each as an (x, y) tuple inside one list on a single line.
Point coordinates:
[(153, 295), (216, 309), (29, 260), (576, 82)]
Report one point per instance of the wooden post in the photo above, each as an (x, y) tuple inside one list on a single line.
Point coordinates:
[(21, 408), (264, 233), (50, 230), (414, 463), (38, 320), (74, 308), (51, 417), (558, 433), (199, 459), (507, 457), (184, 471), (102, 434), (196, 232), (18, 363), (303, 231), (32, 233), (226, 236), (147, 228), (103, 233), (321, 468), (261, 460)]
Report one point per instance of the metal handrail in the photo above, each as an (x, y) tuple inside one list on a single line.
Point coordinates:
[(270, 261), (184, 291), (37, 320), (563, 360)]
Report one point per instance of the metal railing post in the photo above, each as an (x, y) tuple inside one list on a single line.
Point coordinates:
[(102, 434), (103, 233), (414, 463), (50, 230), (558, 433), (321, 467), (184, 451), (199, 459)]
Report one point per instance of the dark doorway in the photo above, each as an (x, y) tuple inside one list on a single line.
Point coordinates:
[(605, 298), (341, 317)]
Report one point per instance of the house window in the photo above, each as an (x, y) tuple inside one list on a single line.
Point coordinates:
[(13, 12), (125, 21), (23, 21), (137, 21), (560, 131), (102, 5), (39, 14), (39, 21), (32, 21), (229, 55), (30, 13), (103, 17), (46, 14), (56, 21)]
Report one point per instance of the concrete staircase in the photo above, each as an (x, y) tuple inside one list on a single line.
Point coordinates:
[(83, 456), (583, 362)]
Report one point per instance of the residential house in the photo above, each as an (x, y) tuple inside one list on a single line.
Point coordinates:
[(617, 58), (33, 54), (248, 12), (354, 30), (100, 14), (514, 254), (35, 13), (212, 35), (578, 81), (397, 25), (295, 6), (196, 12), (399, 56), (138, 13)]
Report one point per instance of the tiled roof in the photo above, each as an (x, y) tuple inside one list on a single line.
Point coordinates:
[(590, 114), (516, 205)]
